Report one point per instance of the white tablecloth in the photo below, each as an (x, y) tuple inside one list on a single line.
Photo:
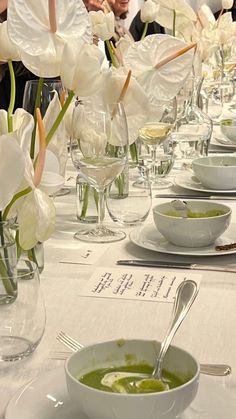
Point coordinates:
[(208, 332)]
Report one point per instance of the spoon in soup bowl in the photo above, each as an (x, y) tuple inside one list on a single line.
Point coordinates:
[(185, 296)]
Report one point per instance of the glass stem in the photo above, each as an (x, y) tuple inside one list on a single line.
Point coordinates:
[(101, 207), (153, 166)]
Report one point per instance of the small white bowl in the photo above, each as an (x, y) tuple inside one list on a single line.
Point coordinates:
[(192, 232), (228, 128), (216, 172), (99, 404)]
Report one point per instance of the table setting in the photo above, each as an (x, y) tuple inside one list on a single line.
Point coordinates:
[(124, 179)]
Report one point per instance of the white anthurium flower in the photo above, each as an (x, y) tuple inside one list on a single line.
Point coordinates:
[(81, 68), (8, 50), (103, 24), (225, 28), (135, 101), (227, 4), (165, 19), (163, 83), (206, 17), (123, 44), (42, 41), (12, 168), (179, 6), (149, 11), (36, 218)]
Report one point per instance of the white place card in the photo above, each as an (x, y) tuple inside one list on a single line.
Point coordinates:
[(86, 255), (136, 284)]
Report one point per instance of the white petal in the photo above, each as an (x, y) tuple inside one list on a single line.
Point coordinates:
[(164, 83), (103, 25), (3, 122), (180, 6), (8, 50), (12, 166), (36, 219)]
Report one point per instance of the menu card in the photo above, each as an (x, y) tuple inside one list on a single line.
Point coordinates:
[(136, 284)]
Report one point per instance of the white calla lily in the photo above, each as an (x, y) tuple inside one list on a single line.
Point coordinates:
[(81, 68), (149, 11), (12, 168), (8, 50), (36, 218), (103, 24), (143, 56), (40, 45)]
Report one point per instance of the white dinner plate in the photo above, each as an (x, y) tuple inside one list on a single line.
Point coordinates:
[(187, 180), (148, 237), (47, 397), (218, 138)]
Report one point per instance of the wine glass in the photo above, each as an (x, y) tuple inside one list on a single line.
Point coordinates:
[(40, 93), (156, 151), (99, 150)]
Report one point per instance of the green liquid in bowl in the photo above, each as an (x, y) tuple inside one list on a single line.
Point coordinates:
[(192, 214)]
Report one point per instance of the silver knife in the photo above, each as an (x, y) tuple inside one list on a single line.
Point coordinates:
[(183, 196), (176, 265)]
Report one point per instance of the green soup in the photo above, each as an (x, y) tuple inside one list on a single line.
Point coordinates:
[(127, 385), (191, 214)]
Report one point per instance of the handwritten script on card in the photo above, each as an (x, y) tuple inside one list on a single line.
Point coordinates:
[(150, 285)]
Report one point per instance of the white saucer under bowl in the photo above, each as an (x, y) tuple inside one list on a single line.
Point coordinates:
[(46, 398)]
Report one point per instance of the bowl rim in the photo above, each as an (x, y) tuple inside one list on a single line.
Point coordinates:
[(146, 395), (228, 212), (199, 161)]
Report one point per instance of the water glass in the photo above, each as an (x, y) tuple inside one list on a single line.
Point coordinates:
[(22, 322), (188, 146), (132, 207)]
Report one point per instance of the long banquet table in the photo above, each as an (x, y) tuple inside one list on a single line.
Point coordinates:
[(209, 332)]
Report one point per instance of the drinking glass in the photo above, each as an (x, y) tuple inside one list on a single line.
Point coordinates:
[(132, 207), (99, 150), (42, 94), (22, 322), (155, 150)]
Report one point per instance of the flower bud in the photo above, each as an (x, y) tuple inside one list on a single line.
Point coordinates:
[(227, 4)]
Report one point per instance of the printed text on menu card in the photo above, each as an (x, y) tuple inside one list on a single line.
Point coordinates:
[(149, 285)]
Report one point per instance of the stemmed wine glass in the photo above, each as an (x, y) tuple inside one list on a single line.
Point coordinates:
[(158, 152), (99, 150)]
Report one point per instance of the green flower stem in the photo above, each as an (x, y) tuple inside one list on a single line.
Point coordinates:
[(174, 22), (12, 97), (36, 105), (6, 278), (112, 56), (86, 189), (145, 28), (133, 152), (14, 199), (5, 270), (59, 117)]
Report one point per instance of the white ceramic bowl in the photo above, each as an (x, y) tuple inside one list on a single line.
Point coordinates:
[(98, 404), (216, 172), (192, 232), (228, 128)]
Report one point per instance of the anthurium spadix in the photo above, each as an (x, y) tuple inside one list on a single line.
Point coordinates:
[(8, 50), (103, 24), (145, 57), (47, 26)]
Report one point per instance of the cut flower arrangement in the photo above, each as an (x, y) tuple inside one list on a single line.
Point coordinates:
[(53, 38)]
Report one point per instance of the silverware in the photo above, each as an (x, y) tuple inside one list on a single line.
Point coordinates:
[(176, 265), (68, 341), (183, 196)]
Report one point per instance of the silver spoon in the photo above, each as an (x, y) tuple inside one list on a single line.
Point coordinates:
[(185, 296)]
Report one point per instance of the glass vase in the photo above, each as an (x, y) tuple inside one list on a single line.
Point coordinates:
[(8, 285), (193, 130)]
